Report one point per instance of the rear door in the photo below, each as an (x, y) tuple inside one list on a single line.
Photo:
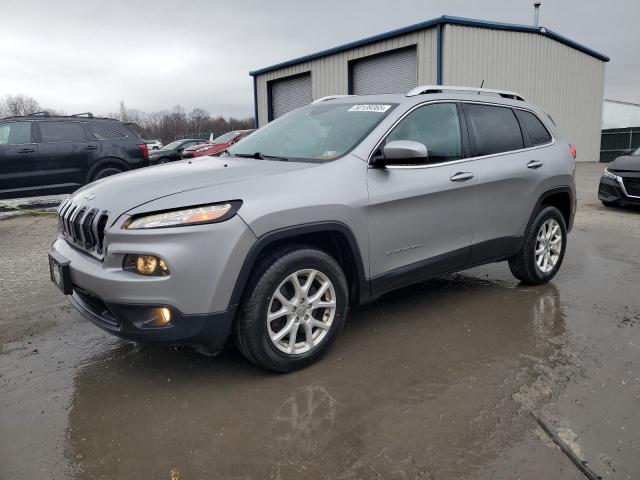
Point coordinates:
[(510, 176), (422, 216), (65, 151), (19, 170)]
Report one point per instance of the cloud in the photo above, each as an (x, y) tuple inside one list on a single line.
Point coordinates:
[(84, 55)]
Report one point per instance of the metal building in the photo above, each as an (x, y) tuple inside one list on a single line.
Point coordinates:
[(562, 76)]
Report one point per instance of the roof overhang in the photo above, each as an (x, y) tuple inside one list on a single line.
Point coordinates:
[(444, 20)]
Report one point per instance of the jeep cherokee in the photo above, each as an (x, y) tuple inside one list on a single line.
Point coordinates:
[(328, 206)]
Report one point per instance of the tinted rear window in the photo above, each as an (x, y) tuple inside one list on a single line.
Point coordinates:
[(538, 133), (495, 129), (100, 132), (61, 132)]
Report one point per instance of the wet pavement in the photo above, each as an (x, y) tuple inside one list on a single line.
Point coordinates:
[(435, 381)]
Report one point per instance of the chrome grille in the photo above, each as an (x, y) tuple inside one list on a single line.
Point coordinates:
[(83, 227)]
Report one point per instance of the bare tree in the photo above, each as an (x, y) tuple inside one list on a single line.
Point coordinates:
[(14, 105), (199, 118), (165, 125)]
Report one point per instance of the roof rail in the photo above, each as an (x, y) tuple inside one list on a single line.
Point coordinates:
[(329, 97), (426, 89), (88, 114), (43, 113)]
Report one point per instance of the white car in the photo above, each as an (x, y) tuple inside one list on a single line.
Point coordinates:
[(154, 144)]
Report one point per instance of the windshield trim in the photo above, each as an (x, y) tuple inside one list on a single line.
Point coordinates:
[(356, 144)]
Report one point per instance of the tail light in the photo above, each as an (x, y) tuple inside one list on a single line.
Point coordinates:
[(572, 149), (145, 149)]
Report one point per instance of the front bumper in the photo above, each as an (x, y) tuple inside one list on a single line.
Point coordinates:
[(613, 191), (204, 263), (128, 321)]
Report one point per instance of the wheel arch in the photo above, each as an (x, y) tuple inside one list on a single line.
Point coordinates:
[(559, 197), (334, 238), (104, 162)]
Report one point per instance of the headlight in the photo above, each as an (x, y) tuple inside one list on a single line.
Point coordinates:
[(147, 265), (608, 174), (217, 212)]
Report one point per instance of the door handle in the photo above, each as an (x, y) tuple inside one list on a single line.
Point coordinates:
[(461, 177), (90, 147), (534, 164), (26, 150)]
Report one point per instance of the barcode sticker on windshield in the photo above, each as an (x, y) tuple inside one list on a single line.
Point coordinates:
[(370, 108)]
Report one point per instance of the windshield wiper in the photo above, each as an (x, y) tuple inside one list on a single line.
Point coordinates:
[(260, 156)]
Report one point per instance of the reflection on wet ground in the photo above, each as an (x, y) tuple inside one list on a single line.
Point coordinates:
[(405, 385), (435, 381)]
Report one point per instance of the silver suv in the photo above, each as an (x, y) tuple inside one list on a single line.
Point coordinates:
[(327, 207)]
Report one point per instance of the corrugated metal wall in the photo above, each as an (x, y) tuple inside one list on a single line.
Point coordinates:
[(329, 75), (567, 83)]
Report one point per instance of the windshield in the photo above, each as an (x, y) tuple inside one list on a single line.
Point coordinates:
[(316, 132), (173, 145), (226, 138)]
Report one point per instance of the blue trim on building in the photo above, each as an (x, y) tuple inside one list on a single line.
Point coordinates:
[(255, 101), (438, 54), (444, 20)]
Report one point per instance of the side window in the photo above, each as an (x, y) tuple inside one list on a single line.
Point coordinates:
[(61, 132), (100, 132), (495, 129), (437, 126), (538, 133), (15, 133)]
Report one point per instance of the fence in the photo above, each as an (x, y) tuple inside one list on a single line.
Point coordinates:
[(618, 141)]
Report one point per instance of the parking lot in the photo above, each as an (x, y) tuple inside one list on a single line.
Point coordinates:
[(439, 380)]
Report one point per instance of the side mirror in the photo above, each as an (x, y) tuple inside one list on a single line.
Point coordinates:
[(402, 152)]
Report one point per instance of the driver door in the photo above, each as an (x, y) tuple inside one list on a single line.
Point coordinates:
[(421, 216)]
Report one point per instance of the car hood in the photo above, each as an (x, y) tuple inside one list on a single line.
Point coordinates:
[(627, 162), (126, 191), (197, 146)]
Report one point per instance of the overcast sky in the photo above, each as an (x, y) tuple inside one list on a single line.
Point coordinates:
[(79, 55)]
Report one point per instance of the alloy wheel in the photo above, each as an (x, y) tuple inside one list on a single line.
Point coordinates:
[(301, 312), (548, 245)]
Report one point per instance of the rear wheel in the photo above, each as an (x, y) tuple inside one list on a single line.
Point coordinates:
[(106, 172), (543, 250), (293, 310)]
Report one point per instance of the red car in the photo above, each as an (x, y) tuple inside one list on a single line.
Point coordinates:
[(217, 146)]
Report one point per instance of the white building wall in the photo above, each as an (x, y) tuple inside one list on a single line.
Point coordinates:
[(567, 83), (617, 114), (330, 74)]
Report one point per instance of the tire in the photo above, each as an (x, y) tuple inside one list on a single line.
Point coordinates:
[(256, 337), (106, 172), (163, 160), (524, 265)]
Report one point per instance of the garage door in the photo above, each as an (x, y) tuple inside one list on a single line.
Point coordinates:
[(393, 72), (290, 93)]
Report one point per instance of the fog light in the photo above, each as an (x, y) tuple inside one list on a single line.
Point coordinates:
[(166, 314), (147, 265)]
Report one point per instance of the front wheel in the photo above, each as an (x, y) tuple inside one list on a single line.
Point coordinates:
[(543, 250), (293, 310)]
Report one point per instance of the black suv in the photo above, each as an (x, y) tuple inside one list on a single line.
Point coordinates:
[(46, 154)]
